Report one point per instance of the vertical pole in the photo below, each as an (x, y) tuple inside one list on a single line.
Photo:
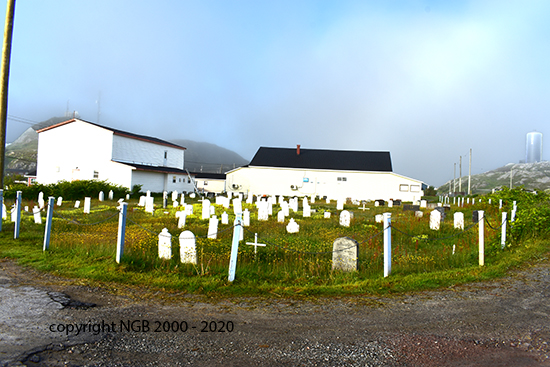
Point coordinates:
[(4, 77), (460, 175), (1, 208), (17, 215), (470, 173), (481, 238), (387, 244), (235, 247), (48, 229), (503, 230), (121, 232)]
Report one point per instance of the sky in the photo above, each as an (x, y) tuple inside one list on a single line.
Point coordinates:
[(425, 80)]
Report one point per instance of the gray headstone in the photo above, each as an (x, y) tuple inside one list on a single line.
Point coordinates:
[(344, 255)]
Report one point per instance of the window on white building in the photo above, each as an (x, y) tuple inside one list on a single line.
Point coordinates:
[(96, 174), (342, 179), (415, 188), (404, 188), (174, 179)]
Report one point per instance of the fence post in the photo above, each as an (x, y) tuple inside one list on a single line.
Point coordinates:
[(1, 208), (235, 246), (481, 223), (503, 230), (48, 229), (121, 232), (387, 244), (17, 215)]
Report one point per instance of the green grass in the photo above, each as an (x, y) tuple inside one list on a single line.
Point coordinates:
[(88, 252)]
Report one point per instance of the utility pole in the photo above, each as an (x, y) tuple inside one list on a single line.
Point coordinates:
[(470, 172), (454, 180), (511, 175), (460, 176), (4, 76)]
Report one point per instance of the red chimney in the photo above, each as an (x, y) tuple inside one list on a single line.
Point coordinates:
[(298, 149)]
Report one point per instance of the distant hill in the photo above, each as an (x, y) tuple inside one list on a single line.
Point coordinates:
[(199, 156), (533, 176)]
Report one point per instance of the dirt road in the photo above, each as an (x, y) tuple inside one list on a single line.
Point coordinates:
[(48, 321)]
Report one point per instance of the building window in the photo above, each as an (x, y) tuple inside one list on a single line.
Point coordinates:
[(415, 188), (174, 179), (188, 180), (205, 183), (96, 174), (342, 178), (404, 188)]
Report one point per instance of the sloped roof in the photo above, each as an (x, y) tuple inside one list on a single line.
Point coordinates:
[(116, 132), (344, 160), (160, 169)]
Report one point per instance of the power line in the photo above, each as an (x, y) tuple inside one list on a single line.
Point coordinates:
[(22, 120)]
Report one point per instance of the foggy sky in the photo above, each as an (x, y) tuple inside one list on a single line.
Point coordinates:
[(425, 80)]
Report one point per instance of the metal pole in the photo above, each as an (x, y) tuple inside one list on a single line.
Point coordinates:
[(470, 173), (481, 223), (48, 229), (121, 232), (4, 76), (460, 176), (387, 244)]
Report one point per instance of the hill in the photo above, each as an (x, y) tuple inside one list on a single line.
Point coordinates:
[(533, 176), (199, 156)]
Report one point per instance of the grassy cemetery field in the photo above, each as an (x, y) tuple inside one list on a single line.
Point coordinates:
[(289, 264)]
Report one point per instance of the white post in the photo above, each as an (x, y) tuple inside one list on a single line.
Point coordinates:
[(121, 232), (48, 229), (235, 247), (387, 244), (17, 215), (503, 230), (1, 208), (481, 238)]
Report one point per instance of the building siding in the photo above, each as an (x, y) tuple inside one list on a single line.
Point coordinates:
[(142, 152)]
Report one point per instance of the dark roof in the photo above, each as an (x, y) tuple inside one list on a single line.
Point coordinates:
[(345, 160), (161, 169), (212, 176), (116, 132)]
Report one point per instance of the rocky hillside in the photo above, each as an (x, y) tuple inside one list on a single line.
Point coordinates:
[(199, 156), (534, 176)]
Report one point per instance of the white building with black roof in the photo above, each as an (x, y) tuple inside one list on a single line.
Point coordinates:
[(360, 175), (82, 150)]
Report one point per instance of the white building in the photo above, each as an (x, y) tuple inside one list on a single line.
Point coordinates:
[(210, 182), (81, 150), (332, 173)]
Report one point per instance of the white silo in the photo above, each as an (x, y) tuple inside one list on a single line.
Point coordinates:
[(533, 147)]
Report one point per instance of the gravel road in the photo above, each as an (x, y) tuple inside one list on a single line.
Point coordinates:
[(50, 321)]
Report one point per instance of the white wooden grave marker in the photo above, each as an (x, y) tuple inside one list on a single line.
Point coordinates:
[(188, 251), (165, 244)]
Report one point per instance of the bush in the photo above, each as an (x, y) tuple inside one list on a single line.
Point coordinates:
[(75, 190)]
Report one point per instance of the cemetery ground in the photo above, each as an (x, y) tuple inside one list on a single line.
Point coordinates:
[(286, 306)]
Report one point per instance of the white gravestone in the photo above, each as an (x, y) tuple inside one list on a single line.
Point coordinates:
[(435, 219), (379, 218), (212, 210), (101, 196), (175, 204), (281, 216), (148, 193), (189, 209), (59, 201), (205, 209), (174, 195), (4, 212), (306, 210), (188, 251), (149, 204), (263, 212), (41, 202), (14, 213), (423, 203), (237, 206), (345, 218), (37, 216), (459, 220), (181, 216), (292, 226), (293, 204), (26, 208), (246, 218), (225, 218), (390, 203), (344, 255), (285, 208), (87, 205), (111, 195), (326, 215), (213, 228), (182, 199), (313, 199), (165, 244), (340, 204), (327, 200), (142, 201), (418, 214)]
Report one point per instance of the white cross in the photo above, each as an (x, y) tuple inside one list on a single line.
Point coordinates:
[(255, 243), (363, 208)]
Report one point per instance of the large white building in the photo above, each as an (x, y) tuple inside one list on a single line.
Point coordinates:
[(333, 173), (81, 150)]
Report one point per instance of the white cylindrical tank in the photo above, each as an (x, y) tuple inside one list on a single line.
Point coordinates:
[(533, 147)]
